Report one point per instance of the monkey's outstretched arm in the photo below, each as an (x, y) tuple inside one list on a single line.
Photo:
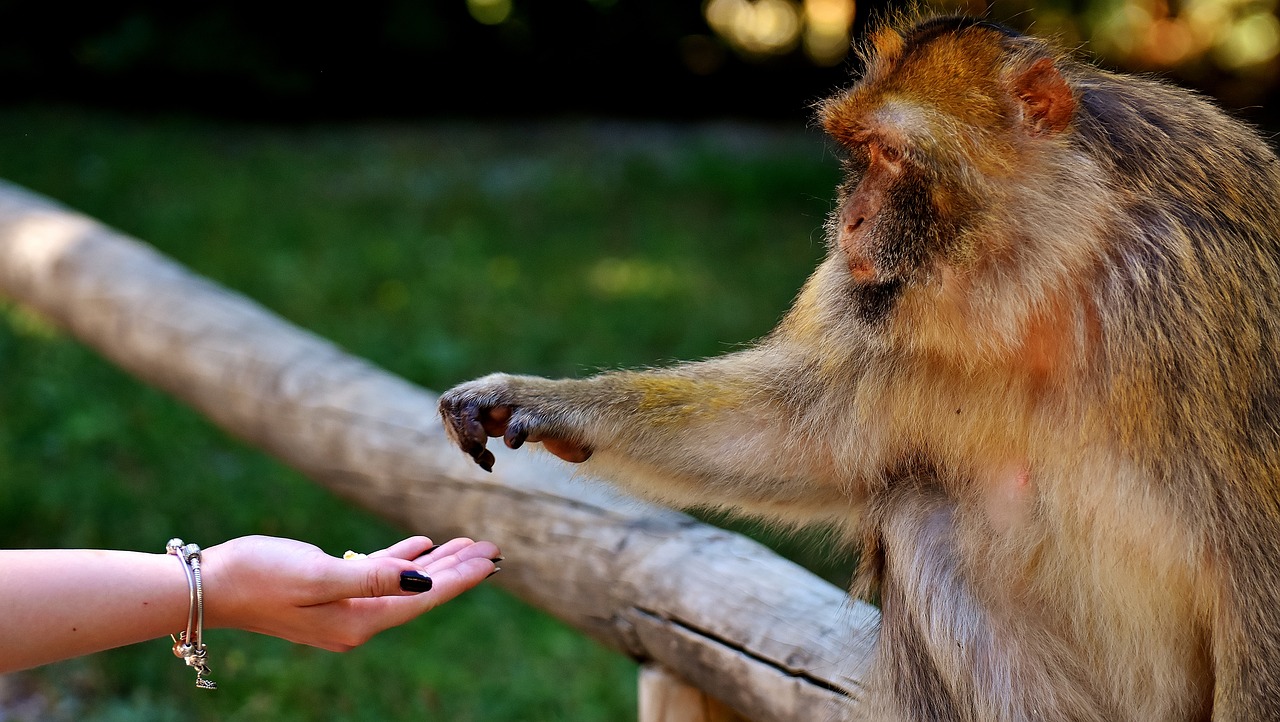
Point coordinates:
[(723, 430)]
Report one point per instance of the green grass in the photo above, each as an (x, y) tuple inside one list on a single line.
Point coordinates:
[(438, 251)]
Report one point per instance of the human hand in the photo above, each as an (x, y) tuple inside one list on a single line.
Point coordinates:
[(295, 591)]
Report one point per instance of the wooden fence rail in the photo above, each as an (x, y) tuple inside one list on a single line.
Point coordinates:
[(766, 637)]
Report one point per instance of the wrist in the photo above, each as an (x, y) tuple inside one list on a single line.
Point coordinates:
[(219, 611), (188, 644)]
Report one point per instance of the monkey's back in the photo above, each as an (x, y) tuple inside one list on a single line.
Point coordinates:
[(1188, 369)]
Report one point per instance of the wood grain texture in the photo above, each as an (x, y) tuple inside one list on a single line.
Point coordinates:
[(665, 697), (767, 637)]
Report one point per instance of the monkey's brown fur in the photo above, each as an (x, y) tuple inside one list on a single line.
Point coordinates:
[(1036, 375)]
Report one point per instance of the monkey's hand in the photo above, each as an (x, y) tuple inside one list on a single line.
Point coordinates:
[(514, 408)]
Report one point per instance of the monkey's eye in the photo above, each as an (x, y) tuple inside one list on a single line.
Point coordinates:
[(887, 153)]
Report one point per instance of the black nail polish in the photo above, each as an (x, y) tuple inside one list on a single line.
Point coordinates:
[(495, 560), (415, 582), (437, 546)]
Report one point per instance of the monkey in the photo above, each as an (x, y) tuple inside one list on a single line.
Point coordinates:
[(1035, 377)]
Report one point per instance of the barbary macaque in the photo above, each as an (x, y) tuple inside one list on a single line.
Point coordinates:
[(1037, 377)]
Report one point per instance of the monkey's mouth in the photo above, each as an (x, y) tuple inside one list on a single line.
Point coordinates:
[(873, 301), (862, 269), (891, 286)]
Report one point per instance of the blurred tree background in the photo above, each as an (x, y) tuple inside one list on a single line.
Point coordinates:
[(672, 59), (447, 188)]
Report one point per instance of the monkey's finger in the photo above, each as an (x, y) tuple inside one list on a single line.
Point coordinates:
[(451, 411), (471, 434), (567, 450), (521, 429), (515, 437), (484, 459), (449, 415), (494, 420), (473, 447), (472, 440)]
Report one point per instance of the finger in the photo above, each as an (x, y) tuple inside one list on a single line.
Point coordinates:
[(346, 623), (410, 549), (440, 551), (477, 550), (515, 436), (447, 584), (519, 430), (473, 433), (453, 413), (455, 580), (370, 577), (574, 453), (495, 420), (485, 459), (463, 418)]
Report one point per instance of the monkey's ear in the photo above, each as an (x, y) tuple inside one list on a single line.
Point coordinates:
[(887, 44), (1047, 100)]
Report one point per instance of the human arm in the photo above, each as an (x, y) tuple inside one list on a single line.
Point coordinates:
[(61, 603)]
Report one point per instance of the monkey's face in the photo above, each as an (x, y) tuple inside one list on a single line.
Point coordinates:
[(893, 223), (905, 207), (901, 218), (938, 131)]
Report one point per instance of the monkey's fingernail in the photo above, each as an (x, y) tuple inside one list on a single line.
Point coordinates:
[(415, 581), (485, 460), (495, 571), (472, 446)]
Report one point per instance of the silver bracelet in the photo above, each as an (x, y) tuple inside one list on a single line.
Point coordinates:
[(189, 644)]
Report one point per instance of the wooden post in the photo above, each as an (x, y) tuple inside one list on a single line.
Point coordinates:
[(767, 637), (664, 697)]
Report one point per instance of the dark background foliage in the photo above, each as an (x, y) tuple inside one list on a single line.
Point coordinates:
[(464, 59), (404, 58)]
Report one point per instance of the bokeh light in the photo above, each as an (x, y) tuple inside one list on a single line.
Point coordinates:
[(1227, 36), (489, 12), (1199, 39), (756, 27), (827, 25), (762, 28)]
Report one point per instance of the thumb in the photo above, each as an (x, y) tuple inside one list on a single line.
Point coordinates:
[(377, 577)]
